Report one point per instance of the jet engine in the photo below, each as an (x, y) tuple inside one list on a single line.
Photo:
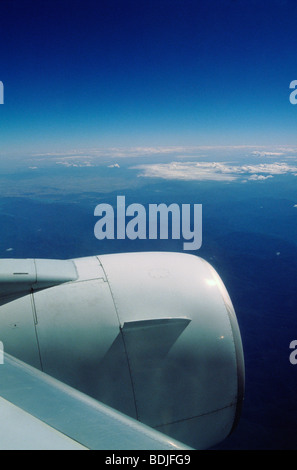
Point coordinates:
[(153, 335)]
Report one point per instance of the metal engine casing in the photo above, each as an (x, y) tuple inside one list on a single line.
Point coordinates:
[(153, 335)]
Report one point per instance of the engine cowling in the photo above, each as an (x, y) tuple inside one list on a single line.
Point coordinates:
[(154, 335)]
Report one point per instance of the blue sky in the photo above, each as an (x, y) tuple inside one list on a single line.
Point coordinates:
[(160, 72)]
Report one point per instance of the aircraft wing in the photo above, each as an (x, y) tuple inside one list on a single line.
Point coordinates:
[(38, 412)]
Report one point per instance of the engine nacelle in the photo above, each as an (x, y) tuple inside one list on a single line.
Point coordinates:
[(154, 335)]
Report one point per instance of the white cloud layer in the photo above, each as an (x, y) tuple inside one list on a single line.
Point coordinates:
[(115, 165), (213, 171), (259, 177), (264, 153)]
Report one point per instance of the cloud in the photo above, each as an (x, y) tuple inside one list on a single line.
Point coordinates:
[(272, 168), (264, 153), (213, 171), (76, 163), (115, 165), (138, 151), (187, 171), (259, 177)]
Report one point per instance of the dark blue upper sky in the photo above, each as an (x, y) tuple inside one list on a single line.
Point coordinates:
[(83, 73)]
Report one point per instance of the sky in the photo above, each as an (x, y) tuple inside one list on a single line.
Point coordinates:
[(92, 74)]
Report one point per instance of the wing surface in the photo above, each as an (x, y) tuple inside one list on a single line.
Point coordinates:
[(40, 412)]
